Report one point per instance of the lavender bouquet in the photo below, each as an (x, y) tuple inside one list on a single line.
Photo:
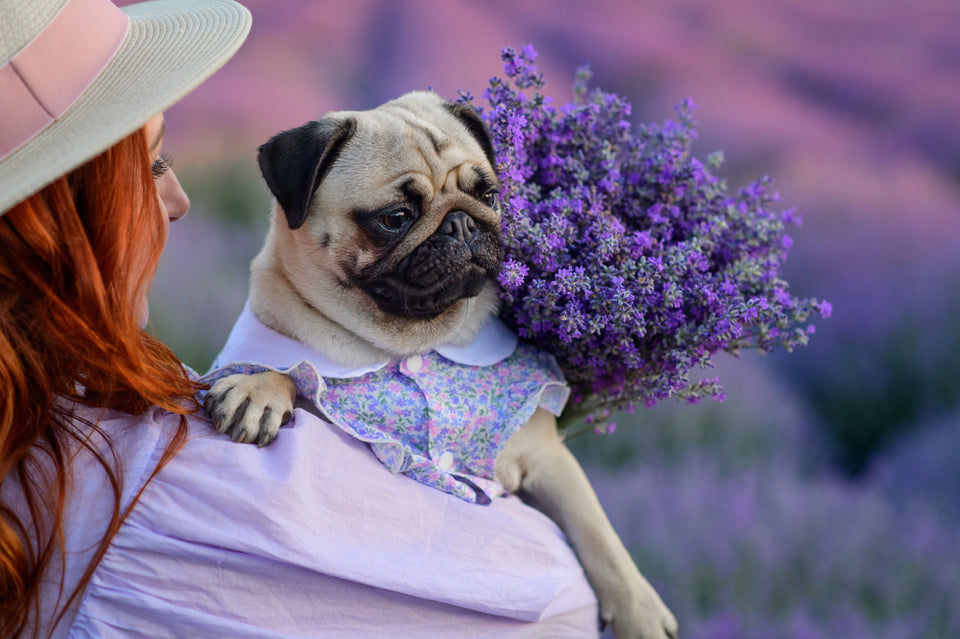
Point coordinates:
[(626, 257)]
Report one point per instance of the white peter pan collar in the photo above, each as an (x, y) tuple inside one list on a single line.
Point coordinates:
[(251, 341)]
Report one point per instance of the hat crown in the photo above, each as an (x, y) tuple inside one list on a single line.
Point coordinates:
[(22, 21), (76, 76)]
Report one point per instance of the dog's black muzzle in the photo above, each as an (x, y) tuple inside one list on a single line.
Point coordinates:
[(452, 264)]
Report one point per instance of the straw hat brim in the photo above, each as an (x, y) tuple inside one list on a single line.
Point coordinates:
[(171, 47)]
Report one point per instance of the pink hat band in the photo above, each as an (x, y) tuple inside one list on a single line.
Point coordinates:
[(45, 78)]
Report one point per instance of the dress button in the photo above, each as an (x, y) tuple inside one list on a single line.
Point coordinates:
[(414, 363), (446, 461)]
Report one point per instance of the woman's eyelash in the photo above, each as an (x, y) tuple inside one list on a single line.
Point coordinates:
[(162, 165)]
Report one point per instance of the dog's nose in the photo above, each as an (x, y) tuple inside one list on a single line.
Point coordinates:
[(460, 226)]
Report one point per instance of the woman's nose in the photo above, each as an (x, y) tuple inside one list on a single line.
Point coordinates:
[(174, 199)]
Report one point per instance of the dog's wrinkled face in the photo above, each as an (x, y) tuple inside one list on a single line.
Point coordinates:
[(391, 217)]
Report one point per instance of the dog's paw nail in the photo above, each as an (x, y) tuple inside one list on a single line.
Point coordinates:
[(287, 416), (266, 437), (212, 402), (267, 429), (236, 427)]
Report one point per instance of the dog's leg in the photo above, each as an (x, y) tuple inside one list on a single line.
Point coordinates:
[(251, 408), (538, 466)]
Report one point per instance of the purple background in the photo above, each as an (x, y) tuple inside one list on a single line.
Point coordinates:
[(821, 499)]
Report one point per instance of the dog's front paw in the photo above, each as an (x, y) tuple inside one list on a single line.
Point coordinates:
[(638, 612), (251, 408)]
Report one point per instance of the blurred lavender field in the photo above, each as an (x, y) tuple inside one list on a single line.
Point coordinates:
[(822, 499)]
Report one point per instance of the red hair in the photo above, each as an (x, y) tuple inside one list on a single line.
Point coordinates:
[(72, 264)]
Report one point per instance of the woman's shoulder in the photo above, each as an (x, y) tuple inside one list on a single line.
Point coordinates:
[(107, 463), (228, 533)]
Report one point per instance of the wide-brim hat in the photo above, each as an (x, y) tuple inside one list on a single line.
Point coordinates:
[(76, 76)]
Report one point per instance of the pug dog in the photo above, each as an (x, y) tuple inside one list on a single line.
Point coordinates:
[(385, 243)]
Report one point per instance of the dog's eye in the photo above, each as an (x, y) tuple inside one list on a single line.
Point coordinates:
[(396, 220), (490, 199)]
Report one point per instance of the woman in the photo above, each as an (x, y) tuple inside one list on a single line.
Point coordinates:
[(81, 86), (122, 513)]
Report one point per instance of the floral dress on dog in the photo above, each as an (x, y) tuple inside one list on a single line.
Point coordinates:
[(440, 418)]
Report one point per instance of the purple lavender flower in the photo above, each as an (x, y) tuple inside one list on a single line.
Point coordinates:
[(627, 258)]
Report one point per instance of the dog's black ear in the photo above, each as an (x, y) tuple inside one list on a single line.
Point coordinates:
[(294, 162), (471, 119)]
